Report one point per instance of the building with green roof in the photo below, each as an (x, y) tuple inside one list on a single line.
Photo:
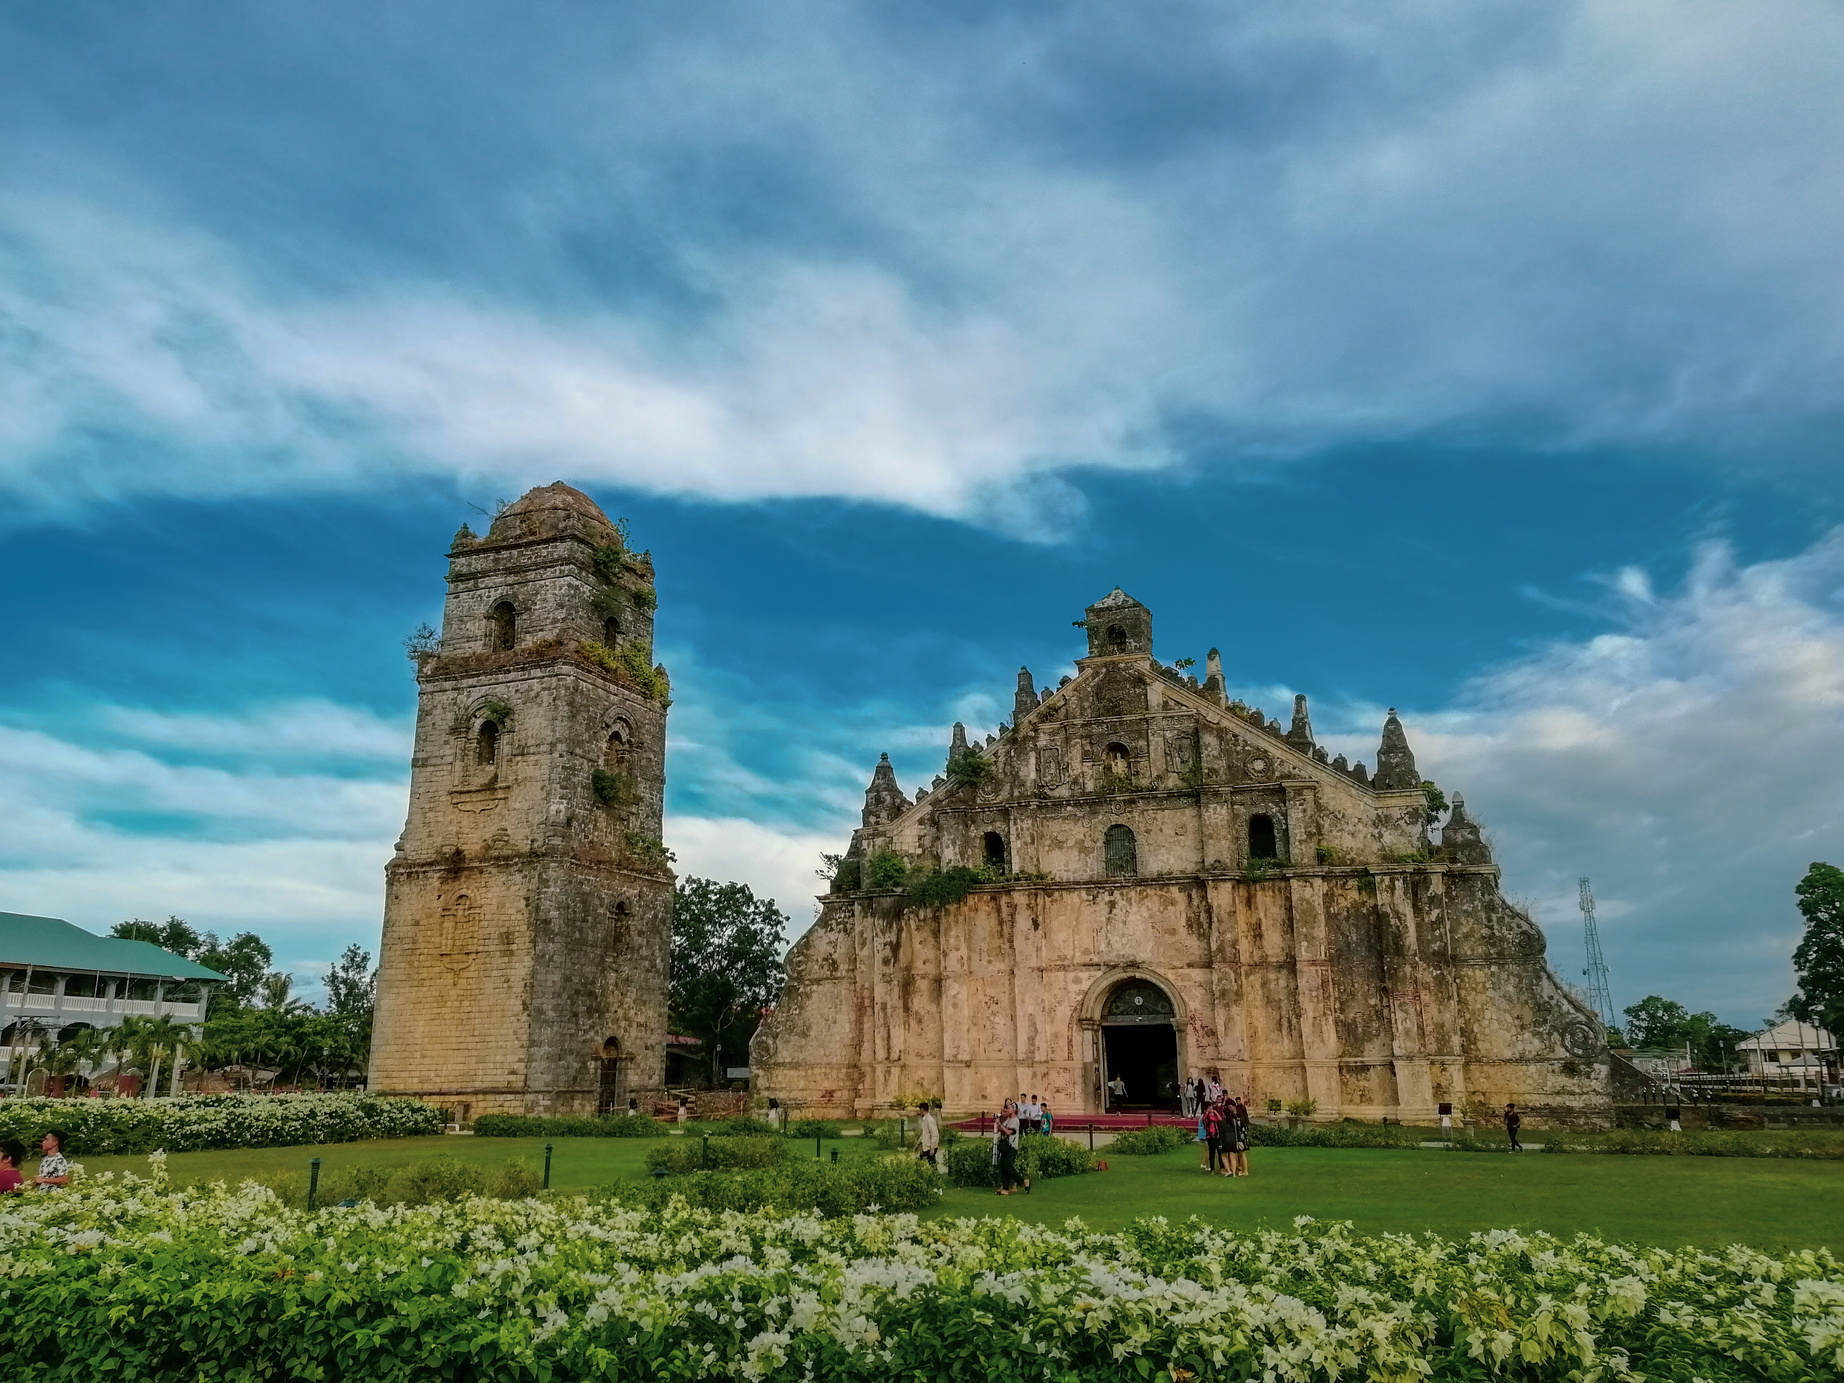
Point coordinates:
[(57, 979)]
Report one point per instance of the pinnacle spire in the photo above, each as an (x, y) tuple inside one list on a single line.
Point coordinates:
[(1024, 700), (1395, 761), (1301, 733), (883, 799)]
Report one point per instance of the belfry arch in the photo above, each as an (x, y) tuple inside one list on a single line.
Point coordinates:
[(1133, 1024)]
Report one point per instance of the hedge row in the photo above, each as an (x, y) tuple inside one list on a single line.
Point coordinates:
[(531, 1126), (190, 1123), (850, 1186), (684, 1155), (1040, 1156)]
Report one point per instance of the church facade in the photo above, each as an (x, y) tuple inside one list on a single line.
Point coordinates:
[(527, 913), (1139, 879)]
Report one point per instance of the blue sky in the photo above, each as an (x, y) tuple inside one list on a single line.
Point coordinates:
[(1484, 366)]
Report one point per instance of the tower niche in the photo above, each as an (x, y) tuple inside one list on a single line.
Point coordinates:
[(527, 913)]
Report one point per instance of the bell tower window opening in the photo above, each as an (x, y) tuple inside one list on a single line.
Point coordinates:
[(1263, 845), (611, 631), (503, 625), (1121, 852), (1117, 639), (616, 755), (486, 744), (995, 850)]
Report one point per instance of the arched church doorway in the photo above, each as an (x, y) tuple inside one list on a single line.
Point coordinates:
[(1139, 1042)]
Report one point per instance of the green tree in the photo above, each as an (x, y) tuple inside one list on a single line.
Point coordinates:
[(352, 984), (244, 960), (726, 964), (1659, 1022), (1818, 960)]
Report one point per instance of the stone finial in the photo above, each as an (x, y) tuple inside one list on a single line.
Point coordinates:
[(1395, 763), (957, 743), (1359, 772), (883, 800), (1024, 701), (1461, 840), (1301, 732), (463, 534), (1340, 764)]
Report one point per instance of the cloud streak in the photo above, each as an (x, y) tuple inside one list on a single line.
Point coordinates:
[(939, 264)]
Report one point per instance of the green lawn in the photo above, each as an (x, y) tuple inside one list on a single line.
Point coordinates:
[(1662, 1200)]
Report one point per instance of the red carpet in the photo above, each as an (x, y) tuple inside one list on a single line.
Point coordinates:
[(1104, 1123)]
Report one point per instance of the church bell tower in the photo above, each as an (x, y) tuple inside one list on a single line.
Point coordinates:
[(527, 913)]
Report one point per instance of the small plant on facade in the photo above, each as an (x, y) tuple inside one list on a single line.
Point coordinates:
[(628, 662), (424, 642), (647, 852), (950, 885), (613, 788), (1437, 800), (1301, 1109), (1193, 776), (888, 869), (496, 711), (968, 766), (1408, 857), (1326, 854), (1259, 867), (1114, 783)]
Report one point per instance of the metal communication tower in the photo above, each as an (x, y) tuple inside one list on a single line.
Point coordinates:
[(1597, 963)]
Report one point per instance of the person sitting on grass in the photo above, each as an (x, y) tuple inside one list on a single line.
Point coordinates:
[(53, 1166), (12, 1158)]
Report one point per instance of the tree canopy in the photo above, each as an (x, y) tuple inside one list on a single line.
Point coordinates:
[(1818, 960), (1659, 1022), (244, 960), (726, 964)]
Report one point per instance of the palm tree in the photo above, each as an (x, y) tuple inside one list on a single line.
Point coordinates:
[(89, 1046), (158, 1040), (60, 1061)]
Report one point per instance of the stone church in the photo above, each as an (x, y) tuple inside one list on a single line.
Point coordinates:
[(527, 911), (1139, 879)]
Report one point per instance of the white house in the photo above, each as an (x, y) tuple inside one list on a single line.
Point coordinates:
[(1790, 1049)]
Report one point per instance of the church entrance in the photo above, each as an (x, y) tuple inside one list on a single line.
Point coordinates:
[(1139, 1041)]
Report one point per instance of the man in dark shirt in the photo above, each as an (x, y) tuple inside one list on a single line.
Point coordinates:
[(1512, 1122)]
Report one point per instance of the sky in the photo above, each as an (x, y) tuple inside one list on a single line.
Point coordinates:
[(1485, 364)]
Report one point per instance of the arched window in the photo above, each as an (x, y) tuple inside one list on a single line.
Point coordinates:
[(1262, 842), (995, 850), (504, 621), (486, 743), (1117, 760), (1122, 855), (611, 631), (1117, 639), (616, 754)]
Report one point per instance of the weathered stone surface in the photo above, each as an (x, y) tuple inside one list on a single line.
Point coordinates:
[(1369, 969), (527, 917)]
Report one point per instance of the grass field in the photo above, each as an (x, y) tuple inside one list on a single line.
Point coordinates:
[(1655, 1200)]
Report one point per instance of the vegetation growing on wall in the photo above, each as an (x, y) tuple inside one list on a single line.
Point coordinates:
[(968, 766), (888, 869), (628, 662), (613, 788)]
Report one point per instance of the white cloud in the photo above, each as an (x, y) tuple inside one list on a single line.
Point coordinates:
[(300, 729), (775, 863), (1691, 763), (1278, 227)]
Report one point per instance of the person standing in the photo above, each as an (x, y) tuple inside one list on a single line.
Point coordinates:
[(928, 1135), (1239, 1139), (1512, 1124), (54, 1165), (1044, 1119), (1117, 1091), (1213, 1138), (1005, 1130), (1187, 1098)]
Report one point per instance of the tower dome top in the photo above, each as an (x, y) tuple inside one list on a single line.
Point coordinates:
[(549, 511)]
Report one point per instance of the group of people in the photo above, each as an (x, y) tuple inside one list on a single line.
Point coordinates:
[(1033, 1114), (1197, 1095), (53, 1165), (1223, 1129)]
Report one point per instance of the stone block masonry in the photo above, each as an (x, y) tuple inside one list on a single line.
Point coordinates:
[(527, 914), (1142, 879)]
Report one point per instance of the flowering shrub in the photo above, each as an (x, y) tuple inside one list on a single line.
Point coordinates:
[(216, 1121), (423, 1182), (530, 1126), (122, 1279)]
